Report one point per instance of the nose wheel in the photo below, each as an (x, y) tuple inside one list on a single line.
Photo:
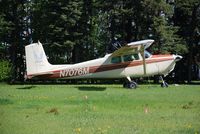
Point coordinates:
[(163, 84), (130, 84)]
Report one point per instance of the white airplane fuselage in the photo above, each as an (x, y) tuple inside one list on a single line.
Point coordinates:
[(103, 68), (129, 61)]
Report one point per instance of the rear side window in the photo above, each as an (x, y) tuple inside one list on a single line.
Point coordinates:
[(147, 54), (130, 57), (116, 59), (136, 56)]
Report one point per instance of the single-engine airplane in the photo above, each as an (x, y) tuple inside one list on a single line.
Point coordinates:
[(131, 60)]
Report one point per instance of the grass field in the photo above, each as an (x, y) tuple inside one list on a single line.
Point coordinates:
[(99, 109)]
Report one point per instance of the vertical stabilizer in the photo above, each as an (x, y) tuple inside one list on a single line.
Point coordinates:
[(36, 59)]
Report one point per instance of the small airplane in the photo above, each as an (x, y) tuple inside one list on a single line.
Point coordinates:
[(131, 60)]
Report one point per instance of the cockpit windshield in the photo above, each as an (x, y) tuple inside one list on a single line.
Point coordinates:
[(147, 54)]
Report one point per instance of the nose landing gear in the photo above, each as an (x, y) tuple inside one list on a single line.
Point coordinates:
[(163, 84)]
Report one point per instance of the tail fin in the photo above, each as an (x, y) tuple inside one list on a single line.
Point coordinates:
[(36, 59)]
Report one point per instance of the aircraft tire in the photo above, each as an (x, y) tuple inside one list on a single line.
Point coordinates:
[(164, 84), (132, 85)]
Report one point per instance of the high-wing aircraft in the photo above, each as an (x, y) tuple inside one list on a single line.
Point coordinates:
[(131, 60)]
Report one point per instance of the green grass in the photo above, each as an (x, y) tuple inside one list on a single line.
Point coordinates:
[(99, 109)]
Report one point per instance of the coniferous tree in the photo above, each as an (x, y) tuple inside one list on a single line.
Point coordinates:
[(77, 30), (56, 23), (15, 35), (186, 16)]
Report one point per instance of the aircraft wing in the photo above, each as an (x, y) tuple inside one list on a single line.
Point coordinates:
[(133, 47)]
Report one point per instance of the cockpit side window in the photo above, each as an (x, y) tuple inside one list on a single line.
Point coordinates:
[(116, 59), (130, 57)]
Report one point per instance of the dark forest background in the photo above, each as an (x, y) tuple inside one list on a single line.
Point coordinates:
[(78, 30)]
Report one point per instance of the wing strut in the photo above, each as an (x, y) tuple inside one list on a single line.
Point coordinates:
[(143, 58)]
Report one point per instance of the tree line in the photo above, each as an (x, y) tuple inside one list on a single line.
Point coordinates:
[(77, 30)]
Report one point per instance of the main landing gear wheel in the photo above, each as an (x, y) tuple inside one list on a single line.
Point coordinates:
[(130, 85)]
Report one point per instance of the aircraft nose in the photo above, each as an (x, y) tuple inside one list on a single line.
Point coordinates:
[(177, 57)]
